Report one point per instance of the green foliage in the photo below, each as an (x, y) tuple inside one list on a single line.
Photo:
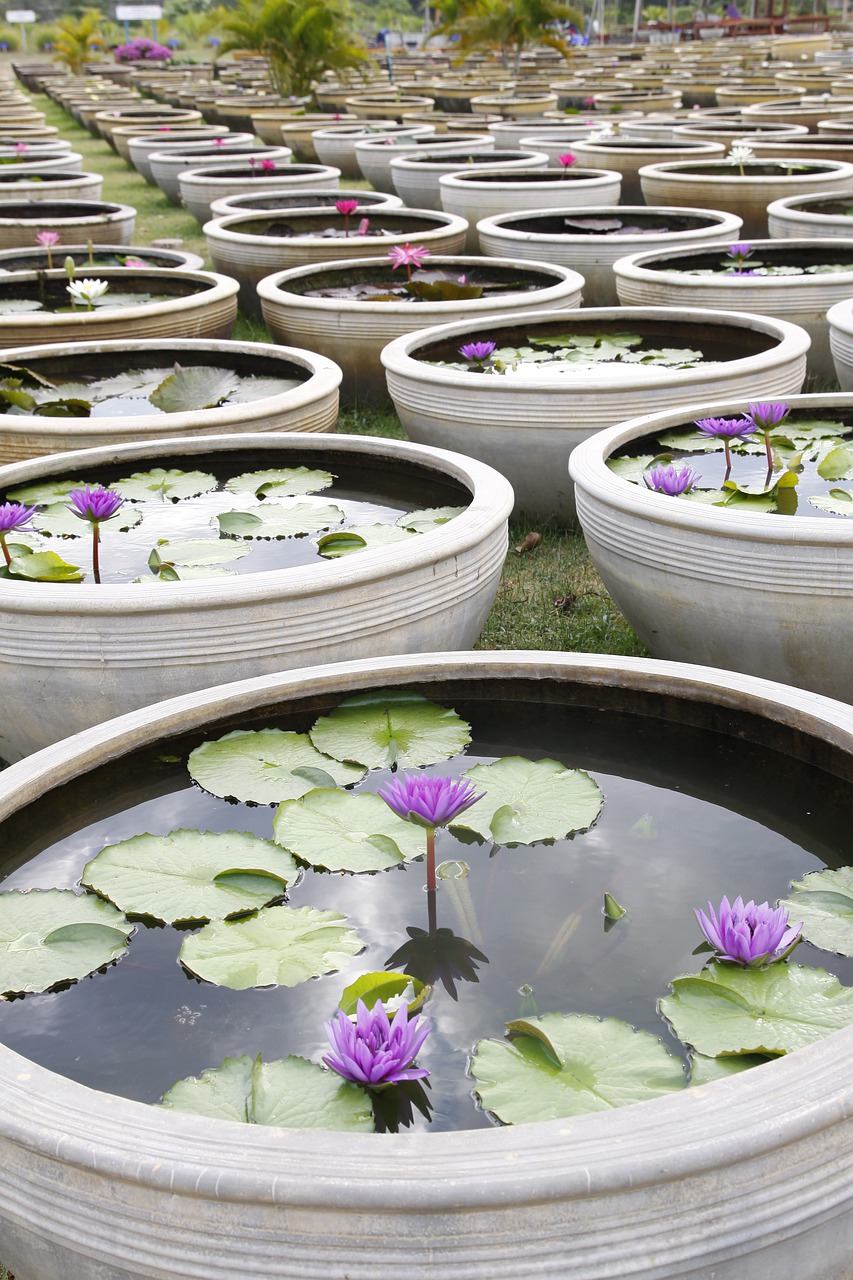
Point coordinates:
[(508, 26), (302, 41), (78, 39)]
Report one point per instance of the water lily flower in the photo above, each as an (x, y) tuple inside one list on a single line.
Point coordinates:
[(347, 208), (408, 256), (362, 226), (47, 239), (268, 165), (219, 142), (726, 429), (429, 802), (567, 159), (740, 154), (164, 128), (95, 504), (374, 1052), (669, 479), (765, 415), (135, 262), (21, 148), (87, 291), (740, 253), (748, 934), (13, 515), (477, 352)]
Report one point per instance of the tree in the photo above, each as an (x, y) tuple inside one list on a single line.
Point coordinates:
[(302, 40), (509, 26), (78, 38)]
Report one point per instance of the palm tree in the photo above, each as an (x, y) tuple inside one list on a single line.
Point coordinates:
[(302, 40), (78, 39), (510, 26)]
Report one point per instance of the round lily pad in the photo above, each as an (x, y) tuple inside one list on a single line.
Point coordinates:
[(280, 482), (171, 484), (823, 901), (390, 727), (568, 1064), (529, 800), (191, 875), (362, 537), (280, 946), (274, 520), (340, 831), (49, 936), (428, 518), (266, 766)]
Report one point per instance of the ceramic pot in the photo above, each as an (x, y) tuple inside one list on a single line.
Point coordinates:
[(74, 220), (374, 155), (200, 187), (629, 155), (38, 260), (168, 163), (303, 199), (818, 216), (336, 145), (59, 184), (840, 322)]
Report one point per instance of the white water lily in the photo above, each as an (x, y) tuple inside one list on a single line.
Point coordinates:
[(87, 290), (740, 153), (601, 135)]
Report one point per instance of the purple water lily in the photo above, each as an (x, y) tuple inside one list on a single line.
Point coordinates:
[(477, 352), (95, 504), (764, 416), (740, 253), (430, 802), (726, 429), (669, 479), (749, 934), (373, 1051), (13, 515)]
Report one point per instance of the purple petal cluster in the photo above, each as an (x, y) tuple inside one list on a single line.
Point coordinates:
[(739, 251), (477, 351), (14, 515), (94, 503), (373, 1051), (427, 800), (726, 428), (748, 934), (669, 479), (764, 415)]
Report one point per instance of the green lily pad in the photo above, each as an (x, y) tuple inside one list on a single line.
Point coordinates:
[(46, 492), (383, 986), (15, 306), (275, 521), (132, 382), (198, 387), (170, 484), (837, 464), (204, 551), (340, 831), (261, 388), (43, 566), (280, 946), (529, 800), (569, 1064), (632, 469), (428, 518), (67, 407), (291, 1093), (838, 502), (283, 482), (191, 875), (364, 537), (727, 1009), (58, 521), (390, 727), (823, 901), (703, 1070), (53, 935), (266, 766)]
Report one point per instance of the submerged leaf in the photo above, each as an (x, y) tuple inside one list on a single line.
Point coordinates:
[(703, 1070), (204, 551), (49, 936), (340, 831), (388, 727), (265, 766)]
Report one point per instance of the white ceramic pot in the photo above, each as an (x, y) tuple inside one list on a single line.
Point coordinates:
[(353, 333), (37, 259), (24, 166), (303, 199), (61, 184), (82, 655), (168, 163), (416, 177), (527, 425), (813, 146), (139, 146), (336, 145), (298, 133), (662, 279), (579, 238), (765, 594), (840, 321), (74, 220), (310, 407), (96, 1187), (374, 155), (629, 155), (817, 217), (200, 187)]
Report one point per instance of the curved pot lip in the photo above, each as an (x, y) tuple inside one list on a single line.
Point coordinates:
[(640, 266), (174, 155), (397, 355), (53, 178), (445, 223), (229, 205), (368, 129), (801, 205), (492, 500), (501, 223), (187, 261), (545, 178), (216, 287), (699, 147), (273, 288), (587, 466), (817, 169), (710, 1125), (452, 144), (102, 210)]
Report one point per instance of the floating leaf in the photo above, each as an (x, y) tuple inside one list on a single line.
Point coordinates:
[(291, 1093), (199, 387), (631, 469), (280, 946), (46, 491), (365, 537), (59, 521), (428, 518), (43, 566), (18, 306), (838, 502), (529, 800), (837, 464), (173, 484), (191, 875), (386, 987), (703, 1070), (259, 388), (391, 727), (132, 382), (344, 832), (65, 408), (823, 901), (275, 521), (204, 551), (265, 766), (728, 1009), (568, 1064), (612, 909), (52, 935), (283, 482)]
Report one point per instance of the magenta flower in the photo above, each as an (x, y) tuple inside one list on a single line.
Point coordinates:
[(135, 262), (346, 207), (427, 800), (21, 148), (764, 416), (567, 160), (726, 429), (373, 1051), (13, 515), (750, 935), (164, 128), (408, 256), (670, 479), (219, 142), (48, 239), (95, 505), (477, 352), (268, 165)]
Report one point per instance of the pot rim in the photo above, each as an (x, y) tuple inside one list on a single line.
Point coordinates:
[(217, 289), (635, 266), (445, 224)]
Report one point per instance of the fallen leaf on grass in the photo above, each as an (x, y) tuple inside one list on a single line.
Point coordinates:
[(528, 543)]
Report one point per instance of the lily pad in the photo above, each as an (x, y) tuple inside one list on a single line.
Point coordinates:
[(63, 408), (46, 492), (703, 1070), (428, 518), (283, 482), (53, 935), (389, 727), (726, 1009), (59, 521), (191, 389), (43, 566), (529, 800), (387, 987), (837, 464), (823, 901), (132, 382), (569, 1064), (364, 537), (280, 946), (170, 484), (275, 521), (191, 875), (260, 388), (632, 469), (266, 766), (291, 1093), (838, 502), (204, 551), (340, 831)]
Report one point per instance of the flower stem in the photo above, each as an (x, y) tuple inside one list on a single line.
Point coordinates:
[(768, 451), (8, 558), (96, 568), (431, 881)]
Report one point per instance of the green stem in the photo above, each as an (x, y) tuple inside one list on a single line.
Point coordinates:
[(431, 880), (96, 568), (5, 548)]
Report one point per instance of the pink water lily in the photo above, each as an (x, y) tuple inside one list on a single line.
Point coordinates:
[(408, 256)]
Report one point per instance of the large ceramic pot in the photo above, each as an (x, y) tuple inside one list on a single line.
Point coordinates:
[(75, 221), (310, 404), (840, 321), (59, 184), (167, 163), (761, 593), (336, 145), (813, 146), (105, 255), (303, 198), (819, 217), (416, 177), (664, 279), (200, 187), (592, 238), (728, 131), (298, 134), (250, 246), (101, 1188), (629, 155), (84, 652), (807, 111), (374, 155), (194, 304), (138, 144), (527, 424), (353, 332), (26, 166)]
